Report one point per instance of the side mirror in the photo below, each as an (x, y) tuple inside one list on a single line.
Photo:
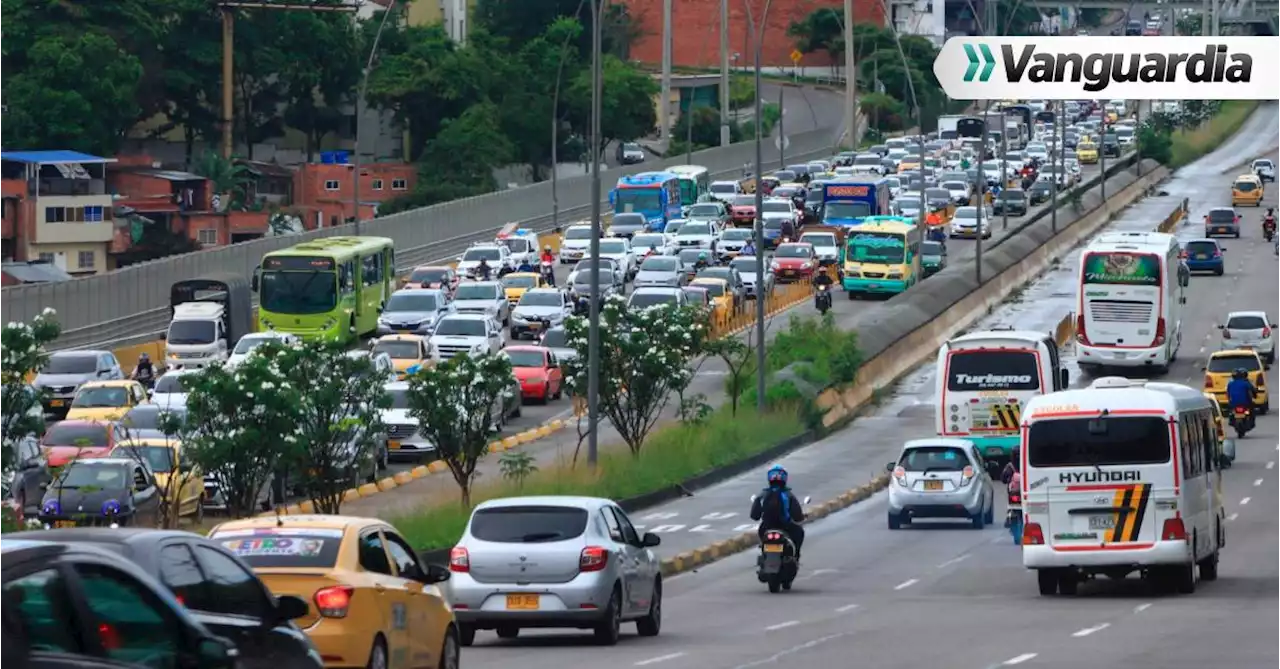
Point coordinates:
[(1273, 326), (151, 392), (435, 574), (216, 653), (807, 499), (253, 282), (290, 607), (1182, 300), (649, 540), (890, 467), (1064, 378), (44, 485), (1267, 367)]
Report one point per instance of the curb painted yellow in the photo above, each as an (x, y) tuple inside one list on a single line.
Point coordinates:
[(367, 489), (401, 478), (387, 483), (419, 471), (698, 557), (437, 466)]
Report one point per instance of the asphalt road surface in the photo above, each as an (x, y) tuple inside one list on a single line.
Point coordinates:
[(942, 594)]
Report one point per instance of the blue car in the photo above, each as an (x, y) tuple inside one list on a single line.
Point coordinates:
[(1204, 255)]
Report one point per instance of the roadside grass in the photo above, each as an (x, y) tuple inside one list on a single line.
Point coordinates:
[(673, 453), (1188, 146)]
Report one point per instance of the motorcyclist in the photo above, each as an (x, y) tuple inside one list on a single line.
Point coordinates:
[(823, 279), (548, 263), (749, 249), (1270, 219), (788, 229), (144, 372), (483, 270), (1240, 391), (703, 262), (547, 255), (778, 508), (1011, 477)]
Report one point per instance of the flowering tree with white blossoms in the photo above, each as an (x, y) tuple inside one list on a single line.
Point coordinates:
[(22, 352), (240, 424), (453, 403), (338, 439), (644, 359)]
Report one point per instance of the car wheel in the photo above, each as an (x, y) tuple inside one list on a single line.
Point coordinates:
[(450, 654), (978, 520), (651, 624), (199, 519), (546, 394), (378, 654), (466, 635), (1047, 580), (559, 392), (894, 522), (608, 629)]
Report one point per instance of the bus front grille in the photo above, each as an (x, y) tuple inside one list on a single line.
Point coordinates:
[(1120, 311)]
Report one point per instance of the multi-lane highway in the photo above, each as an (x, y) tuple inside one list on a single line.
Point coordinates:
[(947, 595)]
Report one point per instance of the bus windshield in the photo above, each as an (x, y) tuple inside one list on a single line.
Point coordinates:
[(877, 247), (846, 209), (637, 200), (1132, 269), (301, 293), (1089, 442), (688, 191), (971, 371)]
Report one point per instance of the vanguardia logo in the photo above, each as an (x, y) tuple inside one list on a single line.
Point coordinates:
[(1075, 68)]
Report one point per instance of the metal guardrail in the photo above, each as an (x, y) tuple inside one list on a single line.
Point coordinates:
[(131, 306)]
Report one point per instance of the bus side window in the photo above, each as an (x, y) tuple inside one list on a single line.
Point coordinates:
[(348, 277), (1055, 363), (1209, 440), (1184, 447), (369, 274), (390, 263)]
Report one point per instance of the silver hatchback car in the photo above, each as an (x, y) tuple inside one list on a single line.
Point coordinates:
[(940, 478), (554, 561)]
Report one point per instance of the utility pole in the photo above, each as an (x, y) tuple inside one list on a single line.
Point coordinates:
[(982, 195), (756, 29), (1137, 147), (227, 8), (364, 87), (851, 79), (1004, 172), (1058, 161), (725, 135), (593, 333), (1102, 152), (664, 110), (782, 132)]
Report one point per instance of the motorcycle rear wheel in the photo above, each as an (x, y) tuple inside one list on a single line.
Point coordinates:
[(775, 584)]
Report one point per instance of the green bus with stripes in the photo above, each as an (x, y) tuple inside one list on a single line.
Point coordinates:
[(330, 288)]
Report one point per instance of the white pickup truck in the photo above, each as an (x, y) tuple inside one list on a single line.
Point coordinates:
[(465, 334)]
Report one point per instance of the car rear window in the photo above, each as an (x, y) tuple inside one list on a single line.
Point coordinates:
[(1202, 247), (62, 434), (528, 524), (1088, 442), (934, 459), (1246, 323), (1229, 363), (267, 548), (1222, 216)]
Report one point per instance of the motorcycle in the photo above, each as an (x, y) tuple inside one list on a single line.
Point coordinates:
[(1013, 517), (1269, 229), (1242, 421), (777, 565), (548, 271), (822, 299)]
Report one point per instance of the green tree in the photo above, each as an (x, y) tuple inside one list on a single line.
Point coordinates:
[(884, 112), (192, 75), (317, 84), (469, 148), (546, 64), (337, 439), (259, 90), (23, 351), (453, 403), (820, 30), (1155, 141), (626, 103), (522, 21), (413, 80), (644, 360), (75, 93)]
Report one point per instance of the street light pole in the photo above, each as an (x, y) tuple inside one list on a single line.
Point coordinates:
[(915, 102), (364, 87), (725, 135), (757, 32), (593, 334), (664, 109), (555, 130), (1057, 161), (982, 195), (850, 78), (1102, 152)]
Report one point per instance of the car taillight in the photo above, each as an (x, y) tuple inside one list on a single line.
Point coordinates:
[(1032, 535), (1015, 498), (1261, 382), (966, 476), (900, 475), (593, 558), (1080, 334), (1208, 381), (459, 560), (333, 602), (1266, 332), (1173, 530), (1159, 333), (1182, 254)]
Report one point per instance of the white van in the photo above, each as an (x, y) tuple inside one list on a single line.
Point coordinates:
[(197, 335)]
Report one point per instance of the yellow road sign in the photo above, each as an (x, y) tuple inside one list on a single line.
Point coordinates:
[(796, 55)]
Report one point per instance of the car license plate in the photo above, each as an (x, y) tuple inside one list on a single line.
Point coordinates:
[(1201, 256), (773, 548), (1107, 522), (522, 602), (1220, 230), (404, 331), (789, 272), (393, 445), (995, 450), (57, 403), (535, 326), (64, 523), (933, 485)]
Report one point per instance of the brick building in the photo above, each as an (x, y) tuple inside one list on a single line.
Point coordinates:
[(696, 27)]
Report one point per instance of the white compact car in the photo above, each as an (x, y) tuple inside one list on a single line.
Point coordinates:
[(465, 334), (575, 244)]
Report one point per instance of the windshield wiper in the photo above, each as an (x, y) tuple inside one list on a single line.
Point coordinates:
[(535, 537)]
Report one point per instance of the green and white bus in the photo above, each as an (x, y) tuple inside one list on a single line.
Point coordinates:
[(330, 288), (695, 183)]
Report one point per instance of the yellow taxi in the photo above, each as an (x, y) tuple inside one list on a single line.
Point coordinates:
[(908, 164), (1247, 189), (182, 483), (721, 297), (1087, 153), (516, 283), (106, 401), (405, 351), (1223, 363), (372, 602)]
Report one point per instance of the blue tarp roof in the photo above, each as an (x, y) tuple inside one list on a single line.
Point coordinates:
[(52, 157)]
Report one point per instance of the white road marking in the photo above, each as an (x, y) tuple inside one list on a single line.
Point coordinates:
[(1141, 607), (846, 608), (953, 560), (773, 659), (1245, 501), (818, 572), (1018, 660), (906, 584), (1257, 482), (1090, 630), (660, 658), (1232, 517), (779, 626), (1202, 349), (1271, 464)]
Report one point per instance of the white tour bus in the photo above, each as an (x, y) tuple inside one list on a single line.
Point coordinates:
[(985, 378), (1119, 477), (1130, 302)]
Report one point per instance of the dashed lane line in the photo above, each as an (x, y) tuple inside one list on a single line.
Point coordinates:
[(658, 659), (1090, 630)]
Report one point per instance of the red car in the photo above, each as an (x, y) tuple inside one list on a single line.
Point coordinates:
[(794, 261), (767, 184), (433, 276), (742, 209), (69, 440), (537, 371)]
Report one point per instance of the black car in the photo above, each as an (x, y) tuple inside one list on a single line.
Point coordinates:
[(150, 417), (80, 606), (117, 491), (1013, 201), (1040, 192), (1111, 145)]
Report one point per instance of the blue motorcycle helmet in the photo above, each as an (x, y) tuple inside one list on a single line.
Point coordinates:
[(777, 476)]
